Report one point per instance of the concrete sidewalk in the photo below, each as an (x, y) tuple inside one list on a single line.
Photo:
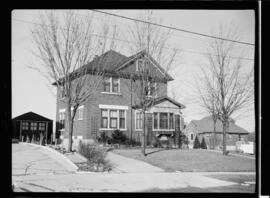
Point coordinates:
[(128, 165), (115, 182)]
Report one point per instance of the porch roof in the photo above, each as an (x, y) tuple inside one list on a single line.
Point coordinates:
[(160, 100)]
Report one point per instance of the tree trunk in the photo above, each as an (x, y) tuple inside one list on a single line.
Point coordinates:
[(144, 140), (224, 127), (69, 126)]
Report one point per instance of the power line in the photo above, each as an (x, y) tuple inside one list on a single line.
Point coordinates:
[(127, 41), (174, 28)]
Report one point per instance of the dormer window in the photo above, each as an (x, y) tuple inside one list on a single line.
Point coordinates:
[(111, 85)]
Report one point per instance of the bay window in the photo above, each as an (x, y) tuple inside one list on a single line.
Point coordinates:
[(163, 121), (171, 121), (155, 120)]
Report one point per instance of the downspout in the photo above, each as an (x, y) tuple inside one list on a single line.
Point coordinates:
[(131, 129)]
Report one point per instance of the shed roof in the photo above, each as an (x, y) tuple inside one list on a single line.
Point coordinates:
[(206, 125), (31, 116)]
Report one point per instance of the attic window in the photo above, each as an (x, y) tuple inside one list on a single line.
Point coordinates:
[(142, 65)]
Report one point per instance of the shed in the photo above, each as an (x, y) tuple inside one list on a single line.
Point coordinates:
[(31, 126)]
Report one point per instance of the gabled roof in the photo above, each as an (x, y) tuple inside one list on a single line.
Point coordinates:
[(206, 125), (31, 116), (139, 55), (160, 100), (113, 62)]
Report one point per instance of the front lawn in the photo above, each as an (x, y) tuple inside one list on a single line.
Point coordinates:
[(190, 160)]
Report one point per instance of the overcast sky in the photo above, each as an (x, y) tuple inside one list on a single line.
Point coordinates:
[(32, 92)]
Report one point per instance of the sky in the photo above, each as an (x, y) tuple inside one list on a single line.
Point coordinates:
[(32, 92)]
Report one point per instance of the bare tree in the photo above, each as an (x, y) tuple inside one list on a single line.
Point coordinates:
[(152, 41), (226, 85), (63, 47)]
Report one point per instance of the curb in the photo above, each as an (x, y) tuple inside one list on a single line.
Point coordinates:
[(56, 155)]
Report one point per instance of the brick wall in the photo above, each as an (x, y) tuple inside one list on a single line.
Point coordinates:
[(89, 126)]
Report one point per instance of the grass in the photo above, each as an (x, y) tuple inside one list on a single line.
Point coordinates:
[(190, 160)]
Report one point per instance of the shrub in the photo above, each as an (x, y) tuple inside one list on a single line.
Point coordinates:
[(196, 144), (203, 144), (132, 142), (118, 137), (95, 155), (103, 137)]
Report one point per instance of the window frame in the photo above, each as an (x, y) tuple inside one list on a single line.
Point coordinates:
[(80, 112), (138, 120), (111, 85), (168, 121), (117, 119)]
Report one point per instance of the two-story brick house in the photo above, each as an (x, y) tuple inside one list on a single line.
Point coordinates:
[(116, 105)]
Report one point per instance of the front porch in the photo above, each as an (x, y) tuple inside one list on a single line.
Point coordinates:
[(163, 121)]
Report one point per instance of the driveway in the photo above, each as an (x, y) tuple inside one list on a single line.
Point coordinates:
[(35, 159)]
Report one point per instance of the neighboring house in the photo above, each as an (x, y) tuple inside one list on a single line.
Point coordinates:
[(116, 106), (32, 125), (204, 128)]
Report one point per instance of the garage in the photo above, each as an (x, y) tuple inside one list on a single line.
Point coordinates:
[(32, 127)]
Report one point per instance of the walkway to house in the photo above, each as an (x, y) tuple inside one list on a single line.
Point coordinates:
[(127, 165)]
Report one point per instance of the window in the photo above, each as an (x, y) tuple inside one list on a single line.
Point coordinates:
[(171, 121), (113, 119), (163, 121), (104, 118), (62, 119), (107, 84), (138, 120), (33, 126), (41, 126), (191, 136), (61, 92), (80, 112), (155, 120), (111, 85), (115, 85), (140, 65), (121, 119), (25, 125)]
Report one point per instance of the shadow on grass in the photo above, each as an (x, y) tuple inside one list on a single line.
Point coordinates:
[(159, 150)]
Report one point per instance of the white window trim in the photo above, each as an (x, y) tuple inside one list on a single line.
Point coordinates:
[(111, 85), (158, 129), (120, 107), (125, 108), (136, 129), (62, 110), (80, 108)]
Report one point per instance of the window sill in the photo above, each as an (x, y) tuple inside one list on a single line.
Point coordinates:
[(109, 129), (112, 93), (163, 130), (80, 119)]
